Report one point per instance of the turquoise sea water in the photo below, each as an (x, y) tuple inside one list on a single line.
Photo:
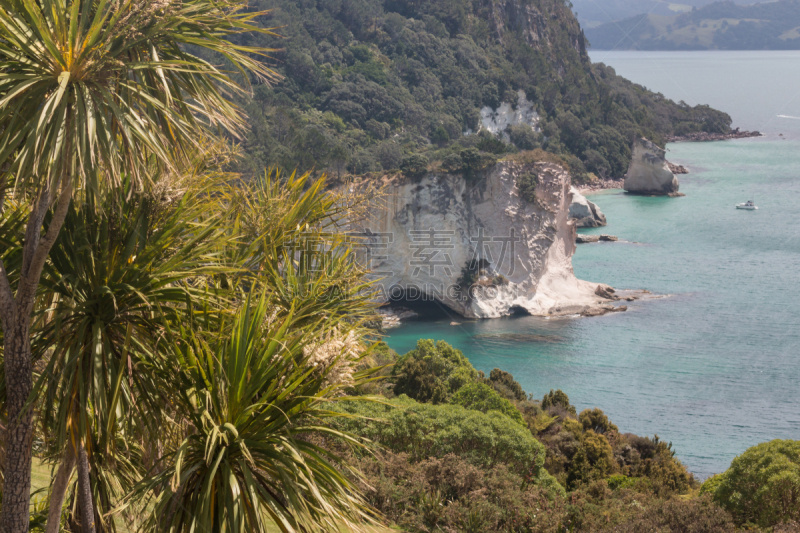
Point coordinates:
[(713, 367)]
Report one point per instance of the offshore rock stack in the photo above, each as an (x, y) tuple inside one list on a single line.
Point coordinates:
[(649, 173)]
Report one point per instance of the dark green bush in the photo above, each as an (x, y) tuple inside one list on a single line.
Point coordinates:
[(762, 485), (596, 420), (432, 372), (452, 494), (452, 163), (473, 160), (523, 137), (414, 165), (526, 183), (505, 384), (557, 399)]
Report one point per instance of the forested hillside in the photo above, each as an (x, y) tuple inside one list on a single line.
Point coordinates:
[(377, 85), (718, 26)]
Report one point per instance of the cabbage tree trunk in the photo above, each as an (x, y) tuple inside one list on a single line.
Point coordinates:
[(85, 491), (58, 492), (16, 310)]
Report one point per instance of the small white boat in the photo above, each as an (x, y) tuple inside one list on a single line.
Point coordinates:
[(749, 205)]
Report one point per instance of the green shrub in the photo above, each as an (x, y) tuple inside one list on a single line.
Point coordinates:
[(523, 137), (655, 459), (698, 515), (424, 430), (526, 183), (452, 163), (491, 143), (474, 160), (593, 461), (618, 481), (557, 399), (451, 494), (577, 169), (710, 485), (432, 372), (596, 420), (501, 381), (483, 398), (763, 484), (440, 136), (414, 165), (470, 273)]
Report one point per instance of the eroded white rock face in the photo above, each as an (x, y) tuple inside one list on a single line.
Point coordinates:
[(649, 172), (586, 214), (497, 120), (429, 230)]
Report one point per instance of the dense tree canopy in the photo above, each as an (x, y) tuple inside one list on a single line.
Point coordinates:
[(369, 82)]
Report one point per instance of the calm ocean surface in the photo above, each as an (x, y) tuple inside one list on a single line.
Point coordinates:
[(715, 366)]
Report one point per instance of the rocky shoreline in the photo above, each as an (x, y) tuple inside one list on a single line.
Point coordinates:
[(392, 317), (582, 238), (599, 185), (706, 137), (677, 169)]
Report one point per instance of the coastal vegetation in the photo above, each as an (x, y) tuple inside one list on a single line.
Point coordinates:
[(93, 95), (446, 464), (183, 359), (372, 86), (187, 348)]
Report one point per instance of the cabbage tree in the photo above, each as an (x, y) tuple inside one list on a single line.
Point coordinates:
[(255, 404), (121, 268), (92, 90)]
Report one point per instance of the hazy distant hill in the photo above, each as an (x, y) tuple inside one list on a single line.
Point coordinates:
[(717, 26), (593, 13)]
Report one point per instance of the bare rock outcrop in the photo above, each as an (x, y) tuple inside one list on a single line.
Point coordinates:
[(484, 246), (649, 173), (677, 169), (586, 214)]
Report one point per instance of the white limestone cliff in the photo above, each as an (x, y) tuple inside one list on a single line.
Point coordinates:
[(586, 214), (429, 230), (497, 120), (649, 172)]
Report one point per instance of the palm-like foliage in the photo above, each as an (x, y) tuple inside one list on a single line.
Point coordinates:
[(118, 272), (92, 88), (126, 274), (86, 82), (253, 399), (292, 234)]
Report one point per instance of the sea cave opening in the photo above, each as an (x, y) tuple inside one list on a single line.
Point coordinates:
[(517, 311), (423, 304)]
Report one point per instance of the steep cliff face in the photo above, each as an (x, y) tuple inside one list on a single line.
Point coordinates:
[(534, 21), (485, 247)]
